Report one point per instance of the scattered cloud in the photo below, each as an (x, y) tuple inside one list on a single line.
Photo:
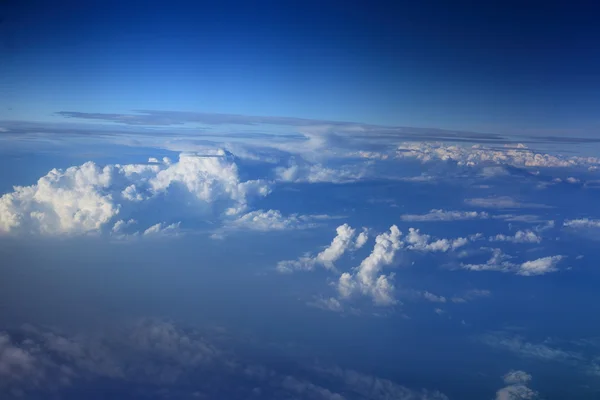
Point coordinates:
[(442, 215), (501, 262), (366, 278), (433, 298), (518, 237), (522, 348), (471, 295), (414, 240), (345, 239), (516, 388), (515, 155), (317, 173), (85, 199)]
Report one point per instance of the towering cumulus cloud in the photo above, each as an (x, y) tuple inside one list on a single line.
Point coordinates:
[(85, 199)]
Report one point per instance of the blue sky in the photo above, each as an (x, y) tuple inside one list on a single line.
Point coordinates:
[(499, 69), (299, 200)]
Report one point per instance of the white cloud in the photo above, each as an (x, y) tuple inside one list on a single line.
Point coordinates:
[(329, 304), (267, 221), (316, 173), (518, 155), (582, 223), (421, 242), (161, 229), (519, 237), (502, 202), (471, 295), (342, 242), (540, 266), (433, 298), (84, 199), (516, 388), (367, 278), (500, 262), (442, 215)]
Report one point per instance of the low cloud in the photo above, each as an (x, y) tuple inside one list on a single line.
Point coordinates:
[(345, 240), (516, 388), (87, 199)]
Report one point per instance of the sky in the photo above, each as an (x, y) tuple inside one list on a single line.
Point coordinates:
[(502, 68), (299, 200)]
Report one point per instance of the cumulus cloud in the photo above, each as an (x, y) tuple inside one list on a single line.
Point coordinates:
[(519, 155), (85, 199), (442, 215), (367, 278), (501, 262), (471, 295), (414, 240), (344, 240), (516, 388), (518, 237)]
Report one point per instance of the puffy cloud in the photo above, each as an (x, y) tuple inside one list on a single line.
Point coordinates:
[(421, 242), (518, 155), (442, 215), (84, 199), (366, 278), (500, 262), (516, 388), (344, 240), (519, 237)]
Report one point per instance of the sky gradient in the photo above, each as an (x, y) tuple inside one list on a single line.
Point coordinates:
[(490, 68)]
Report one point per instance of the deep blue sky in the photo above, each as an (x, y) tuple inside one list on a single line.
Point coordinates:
[(504, 67)]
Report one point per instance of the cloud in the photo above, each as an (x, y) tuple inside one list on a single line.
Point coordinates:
[(522, 348), (328, 304), (471, 295), (374, 388), (366, 278), (344, 240), (433, 298), (442, 215), (39, 362), (500, 262), (516, 388), (318, 173), (502, 202), (582, 223), (519, 237), (85, 199), (414, 240), (267, 221), (516, 155), (161, 230)]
